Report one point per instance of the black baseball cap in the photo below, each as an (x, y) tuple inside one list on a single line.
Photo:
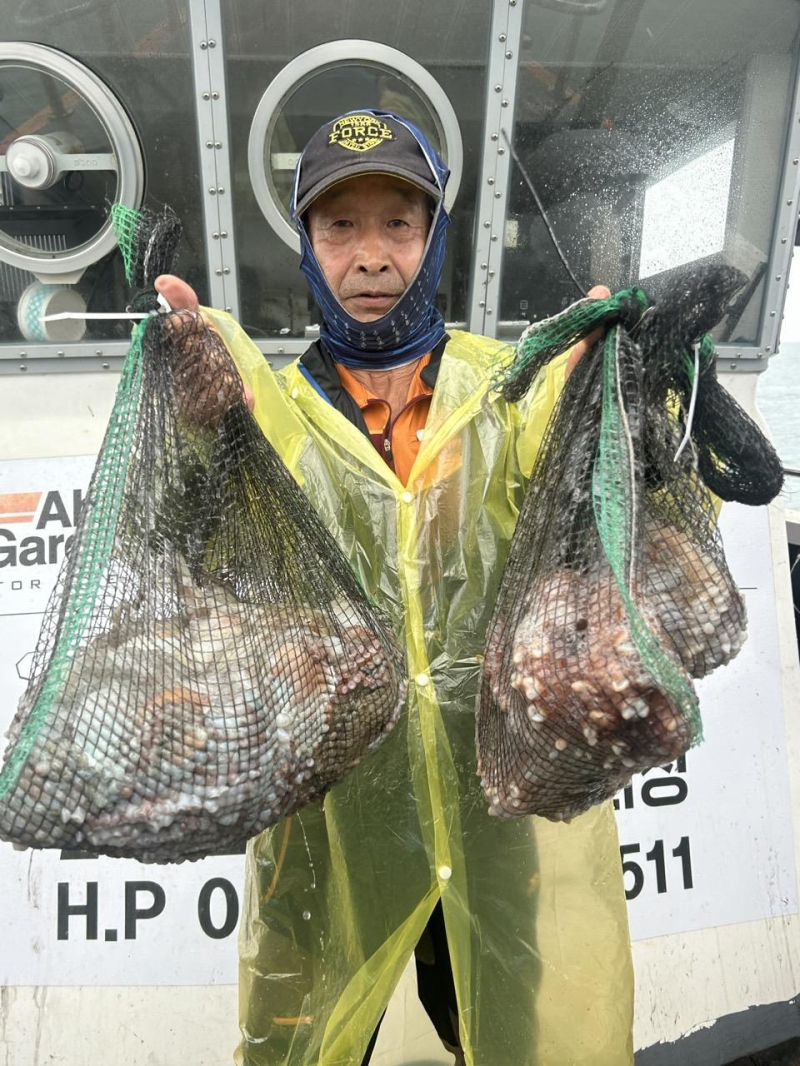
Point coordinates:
[(362, 142)]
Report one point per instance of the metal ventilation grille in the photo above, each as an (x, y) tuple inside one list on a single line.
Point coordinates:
[(13, 280)]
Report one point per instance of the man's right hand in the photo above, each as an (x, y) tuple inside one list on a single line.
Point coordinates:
[(178, 293), (206, 381)]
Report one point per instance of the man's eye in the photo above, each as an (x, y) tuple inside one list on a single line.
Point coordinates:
[(398, 222), (340, 223)]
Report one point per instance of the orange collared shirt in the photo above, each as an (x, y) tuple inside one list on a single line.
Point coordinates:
[(396, 434)]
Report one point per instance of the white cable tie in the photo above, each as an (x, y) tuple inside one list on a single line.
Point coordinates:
[(96, 314), (162, 302), (692, 401)]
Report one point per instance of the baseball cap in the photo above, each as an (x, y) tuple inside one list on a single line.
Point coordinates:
[(362, 142)]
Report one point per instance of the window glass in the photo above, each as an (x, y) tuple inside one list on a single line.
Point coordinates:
[(449, 39), (651, 132), (141, 52)]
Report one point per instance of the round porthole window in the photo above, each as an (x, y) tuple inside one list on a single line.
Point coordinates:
[(67, 151), (324, 82)]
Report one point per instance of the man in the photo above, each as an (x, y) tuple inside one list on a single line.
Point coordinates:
[(419, 470)]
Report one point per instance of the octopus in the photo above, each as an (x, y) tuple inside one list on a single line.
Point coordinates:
[(176, 738), (578, 708)]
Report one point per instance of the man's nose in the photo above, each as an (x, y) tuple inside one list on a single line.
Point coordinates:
[(372, 257)]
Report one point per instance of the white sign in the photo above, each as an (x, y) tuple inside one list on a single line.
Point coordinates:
[(708, 841), (67, 919)]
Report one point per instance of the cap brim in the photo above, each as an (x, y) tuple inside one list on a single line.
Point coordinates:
[(362, 169)]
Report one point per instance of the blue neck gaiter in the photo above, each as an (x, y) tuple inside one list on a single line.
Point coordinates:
[(414, 325)]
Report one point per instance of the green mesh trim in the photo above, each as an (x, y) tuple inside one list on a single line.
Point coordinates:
[(544, 340), (127, 222), (615, 507), (92, 554)]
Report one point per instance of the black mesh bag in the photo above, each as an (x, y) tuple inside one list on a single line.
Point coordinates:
[(208, 662), (616, 593)]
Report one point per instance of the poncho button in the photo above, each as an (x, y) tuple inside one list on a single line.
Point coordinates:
[(408, 497), (295, 393), (422, 680), (445, 873)]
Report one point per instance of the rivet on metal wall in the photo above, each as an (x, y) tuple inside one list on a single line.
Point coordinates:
[(497, 195), (209, 144), (783, 240), (491, 273), (204, 44), (498, 88), (220, 189), (731, 366), (486, 225), (772, 314), (215, 95), (504, 103), (206, 96), (484, 266), (105, 366), (509, 55), (23, 367), (215, 236), (60, 353), (777, 277), (488, 310), (490, 181), (98, 351), (212, 190), (501, 151), (226, 270), (790, 202), (212, 44), (218, 272), (23, 355), (494, 236), (224, 234), (217, 144), (228, 309), (502, 37), (482, 303), (795, 162), (495, 136)]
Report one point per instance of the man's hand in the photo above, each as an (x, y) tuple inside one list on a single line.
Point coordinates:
[(203, 375), (178, 293), (598, 292)]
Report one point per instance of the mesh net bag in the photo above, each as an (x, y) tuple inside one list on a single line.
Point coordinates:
[(148, 242), (208, 662), (616, 593)]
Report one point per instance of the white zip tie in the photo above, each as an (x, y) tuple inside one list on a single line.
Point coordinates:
[(692, 401), (116, 315), (96, 314)]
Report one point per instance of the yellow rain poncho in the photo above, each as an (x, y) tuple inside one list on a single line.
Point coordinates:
[(338, 895)]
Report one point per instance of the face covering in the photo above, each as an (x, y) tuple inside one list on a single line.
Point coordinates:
[(414, 325)]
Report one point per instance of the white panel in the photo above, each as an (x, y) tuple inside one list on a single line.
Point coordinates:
[(731, 809)]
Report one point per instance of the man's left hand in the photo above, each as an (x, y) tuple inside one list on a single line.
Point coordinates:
[(598, 292)]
